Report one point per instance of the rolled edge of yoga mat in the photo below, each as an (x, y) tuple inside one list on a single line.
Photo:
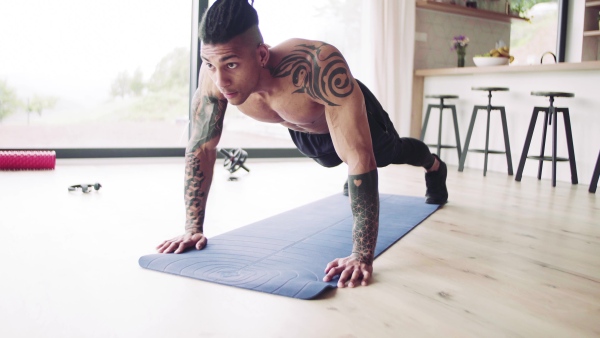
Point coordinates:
[(27, 159)]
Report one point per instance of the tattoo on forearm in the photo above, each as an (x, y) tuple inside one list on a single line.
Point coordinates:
[(207, 124), (364, 200), (207, 120), (194, 177), (327, 83)]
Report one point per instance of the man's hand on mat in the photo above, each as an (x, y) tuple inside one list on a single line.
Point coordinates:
[(349, 269), (181, 243)]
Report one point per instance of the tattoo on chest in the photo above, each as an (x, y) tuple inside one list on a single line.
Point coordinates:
[(323, 77), (364, 200)]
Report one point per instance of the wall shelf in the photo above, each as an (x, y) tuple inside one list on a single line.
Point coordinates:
[(592, 4), (591, 33), (467, 11)]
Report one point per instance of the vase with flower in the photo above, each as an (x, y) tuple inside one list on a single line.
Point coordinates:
[(459, 44)]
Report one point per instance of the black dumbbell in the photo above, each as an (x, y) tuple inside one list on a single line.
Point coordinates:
[(235, 159), (85, 187)]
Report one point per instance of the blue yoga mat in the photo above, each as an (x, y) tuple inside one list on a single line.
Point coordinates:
[(286, 254)]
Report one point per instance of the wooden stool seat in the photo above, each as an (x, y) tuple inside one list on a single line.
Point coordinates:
[(486, 151), (441, 96), (550, 118), (441, 106), (553, 94), (492, 89)]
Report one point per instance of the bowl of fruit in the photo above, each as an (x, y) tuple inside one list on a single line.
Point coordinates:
[(496, 57)]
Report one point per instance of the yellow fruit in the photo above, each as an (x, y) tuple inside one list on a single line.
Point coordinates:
[(500, 52)]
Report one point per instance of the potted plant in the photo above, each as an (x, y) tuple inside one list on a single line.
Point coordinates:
[(459, 44)]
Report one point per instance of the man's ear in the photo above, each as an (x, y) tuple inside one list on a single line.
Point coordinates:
[(263, 54)]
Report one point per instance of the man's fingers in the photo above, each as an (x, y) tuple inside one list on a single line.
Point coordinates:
[(171, 247), (165, 247), (365, 279), (201, 243), (344, 277), (181, 243), (355, 278), (334, 271), (161, 245), (182, 246), (331, 265)]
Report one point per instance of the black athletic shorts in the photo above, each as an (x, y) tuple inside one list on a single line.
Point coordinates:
[(320, 148)]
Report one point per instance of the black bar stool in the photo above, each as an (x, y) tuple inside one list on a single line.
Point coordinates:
[(550, 117), (486, 150), (595, 176), (441, 107)]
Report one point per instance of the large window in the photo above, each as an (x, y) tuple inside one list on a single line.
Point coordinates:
[(94, 74), (530, 40), (115, 74)]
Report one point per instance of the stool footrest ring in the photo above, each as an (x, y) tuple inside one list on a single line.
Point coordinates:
[(434, 145), (489, 151), (548, 158)]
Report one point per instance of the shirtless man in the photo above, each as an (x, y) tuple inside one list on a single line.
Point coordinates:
[(307, 87)]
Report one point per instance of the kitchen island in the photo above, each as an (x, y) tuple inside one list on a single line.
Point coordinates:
[(582, 79)]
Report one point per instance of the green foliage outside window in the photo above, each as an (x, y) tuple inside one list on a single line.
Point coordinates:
[(521, 7), (8, 100), (164, 96)]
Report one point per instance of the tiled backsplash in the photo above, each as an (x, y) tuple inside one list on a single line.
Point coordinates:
[(439, 28)]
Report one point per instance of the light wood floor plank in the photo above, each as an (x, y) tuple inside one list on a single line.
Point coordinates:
[(501, 259)]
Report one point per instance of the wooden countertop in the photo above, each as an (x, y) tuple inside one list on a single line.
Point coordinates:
[(580, 66)]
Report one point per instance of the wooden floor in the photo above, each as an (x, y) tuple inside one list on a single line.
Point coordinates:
[(501, 259)]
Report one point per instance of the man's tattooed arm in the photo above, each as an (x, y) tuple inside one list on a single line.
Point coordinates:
[(207, 125), (364, 200)]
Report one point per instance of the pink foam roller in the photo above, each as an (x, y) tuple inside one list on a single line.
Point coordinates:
[(27, 160)]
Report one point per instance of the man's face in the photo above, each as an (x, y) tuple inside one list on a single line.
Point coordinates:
[(234, 67)]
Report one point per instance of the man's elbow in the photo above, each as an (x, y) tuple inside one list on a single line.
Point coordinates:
[(361, 162), (205, 150)]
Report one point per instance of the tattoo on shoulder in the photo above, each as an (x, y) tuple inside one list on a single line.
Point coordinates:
[(207, 120), (323, 77)]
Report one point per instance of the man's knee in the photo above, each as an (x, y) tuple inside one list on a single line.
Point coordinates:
[(414, 152)]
